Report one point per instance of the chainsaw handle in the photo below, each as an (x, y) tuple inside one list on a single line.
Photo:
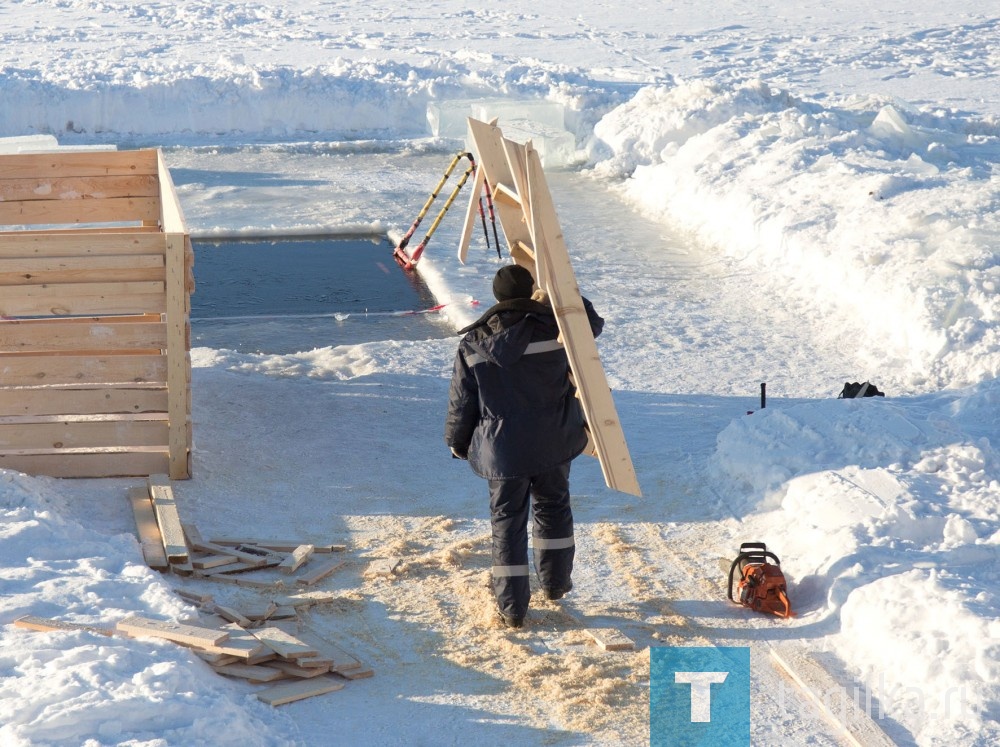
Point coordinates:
[(756, 556)]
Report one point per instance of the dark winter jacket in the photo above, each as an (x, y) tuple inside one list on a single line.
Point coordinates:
[(512, 408)]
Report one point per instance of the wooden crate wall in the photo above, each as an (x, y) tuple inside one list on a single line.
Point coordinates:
[(95, 283)]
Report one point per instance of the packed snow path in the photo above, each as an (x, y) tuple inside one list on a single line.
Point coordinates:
[(647, 567)]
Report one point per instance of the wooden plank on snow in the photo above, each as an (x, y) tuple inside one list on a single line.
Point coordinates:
[(189, 635), (855, 722), (275, 544), (255, 672), (283, 643), (149, 531), (298, 690), (610, 639), (294, 561), (168, 518), (319, 572), (46, 625)]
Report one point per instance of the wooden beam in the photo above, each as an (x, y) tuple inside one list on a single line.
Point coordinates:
[(149, 532), (73, 434), (168, 518), (294, 561), (178, 359)]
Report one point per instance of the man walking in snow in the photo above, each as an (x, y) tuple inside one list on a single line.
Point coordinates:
[(513, 413)]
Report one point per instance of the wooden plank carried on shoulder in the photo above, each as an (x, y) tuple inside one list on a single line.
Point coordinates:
[(832, 699), (578, 339), (298, 690), (149, 531), (168, 518), (46, 625)]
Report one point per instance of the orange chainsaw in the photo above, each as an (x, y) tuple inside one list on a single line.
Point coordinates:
[(761, 584)]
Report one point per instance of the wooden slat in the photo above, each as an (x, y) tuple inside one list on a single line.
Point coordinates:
[(133, 463), (48, 625), (58, 187), (255, 672), (320, 572), (149, 533), (58, 212), (283, 643), (298, 690), (189, 635), (82, 370), (67, 163), (610, 639), (82, 435), (80, 243), (28, 337), (471, 213), (858, 726), (90, 269), (276, 544), (168, 518), (294, 561), (49, 401), (83, 299)]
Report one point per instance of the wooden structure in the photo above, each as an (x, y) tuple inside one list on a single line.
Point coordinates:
[(95, 284), (524, 207)]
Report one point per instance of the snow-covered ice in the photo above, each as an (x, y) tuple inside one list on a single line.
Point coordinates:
[(799, 195)]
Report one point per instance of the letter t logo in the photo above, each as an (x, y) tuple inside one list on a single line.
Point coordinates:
[(701, 692)]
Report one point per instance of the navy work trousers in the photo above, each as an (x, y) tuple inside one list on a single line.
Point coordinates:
[(547, 496)]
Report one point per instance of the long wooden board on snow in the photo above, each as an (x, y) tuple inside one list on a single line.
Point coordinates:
[(833, 700), (149, 532), (168, 518)]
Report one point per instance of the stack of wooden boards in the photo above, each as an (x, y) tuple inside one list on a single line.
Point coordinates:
[(263, 645), (170, 544)]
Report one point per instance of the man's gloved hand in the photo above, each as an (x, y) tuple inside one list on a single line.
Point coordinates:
[(459, 453)]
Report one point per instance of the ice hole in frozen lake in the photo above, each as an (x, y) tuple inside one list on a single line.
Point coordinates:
[(286, 294)]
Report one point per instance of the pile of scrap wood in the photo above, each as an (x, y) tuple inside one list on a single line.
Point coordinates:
[(170, 544), (258, 647)]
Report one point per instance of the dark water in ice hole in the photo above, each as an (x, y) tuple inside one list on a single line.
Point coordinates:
[(285, 295)]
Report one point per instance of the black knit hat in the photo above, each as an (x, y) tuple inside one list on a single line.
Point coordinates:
[(512, 281)]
